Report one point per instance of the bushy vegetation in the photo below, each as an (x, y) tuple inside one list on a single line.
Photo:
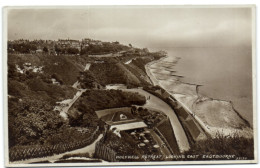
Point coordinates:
[(102, 99), (36, 86), (105, 48), (28, 120), (127, 145), (70, 50), (236, 145), (124, 146), (22, 48), (150, 117), (33, 95), (31, 100), (88, 80), (37, 81), (83, 111), (33, 122), (62, 66), (43, 150)]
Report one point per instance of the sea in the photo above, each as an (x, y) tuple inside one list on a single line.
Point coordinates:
[(225, 73)]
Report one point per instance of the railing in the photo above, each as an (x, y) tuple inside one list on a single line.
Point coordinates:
[(104, 152), (28, 152)]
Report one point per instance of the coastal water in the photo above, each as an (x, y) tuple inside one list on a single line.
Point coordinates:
[(224, 73)]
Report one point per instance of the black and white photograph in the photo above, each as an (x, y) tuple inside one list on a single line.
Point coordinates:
[(135, 85)]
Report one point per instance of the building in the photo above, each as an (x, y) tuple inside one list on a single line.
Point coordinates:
[(67, 43), (120, 118), (87, 42), (75, 44)]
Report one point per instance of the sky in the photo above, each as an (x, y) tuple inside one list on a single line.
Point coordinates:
[(143, 26)]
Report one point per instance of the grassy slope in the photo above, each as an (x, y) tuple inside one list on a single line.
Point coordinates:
[(166, 129), (113, 73), (139, 73), (34, 87)]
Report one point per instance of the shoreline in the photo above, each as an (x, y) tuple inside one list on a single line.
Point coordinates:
[(188, 100), (152, 78)]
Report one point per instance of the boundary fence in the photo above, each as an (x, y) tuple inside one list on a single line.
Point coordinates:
[(105, 153), (28, 152)]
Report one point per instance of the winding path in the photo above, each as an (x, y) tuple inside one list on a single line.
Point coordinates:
[(66, 104)]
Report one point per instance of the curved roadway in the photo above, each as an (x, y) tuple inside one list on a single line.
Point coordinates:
[(158, 104)]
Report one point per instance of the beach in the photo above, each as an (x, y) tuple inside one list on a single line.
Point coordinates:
[(213, 114)]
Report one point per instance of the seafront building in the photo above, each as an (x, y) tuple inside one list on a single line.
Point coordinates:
[(120, 118)]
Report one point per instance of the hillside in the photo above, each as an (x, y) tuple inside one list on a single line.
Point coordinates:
[(41, 84), (115, 73), (36, 82), (62, 66)]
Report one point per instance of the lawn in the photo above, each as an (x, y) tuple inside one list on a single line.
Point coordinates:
[(166, 129)]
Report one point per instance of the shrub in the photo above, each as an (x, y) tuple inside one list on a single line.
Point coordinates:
[(57, 77), (92, 100), (87, 79), (225, 145)]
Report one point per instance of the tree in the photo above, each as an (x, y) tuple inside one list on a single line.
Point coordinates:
[(133, 109), (140, 109), (33, 47), (87, 79), (31, 120), (73, 51), (58, 50), (45, 49), (57, 77), (83, 51)]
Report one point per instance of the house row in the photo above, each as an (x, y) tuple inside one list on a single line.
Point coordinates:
[(55, 46), (64, 43), (69, 43)]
